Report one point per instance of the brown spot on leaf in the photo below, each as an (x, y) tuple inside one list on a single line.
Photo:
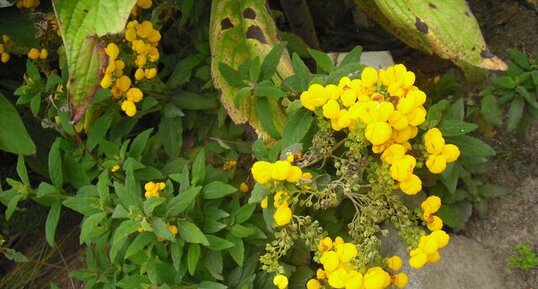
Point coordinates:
[(249, 13), (467, 14), (433, 6), (254, 32), (486, 53), (226, 24), (421, 26)]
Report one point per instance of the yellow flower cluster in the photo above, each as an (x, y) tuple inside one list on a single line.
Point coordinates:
[(141, 4), (144, 41), (280, 281), (427, 250), (386, 102), (401, 168), (4, 48), (122, 83), (339, 272), (35, 54), (429, 207), (439, 153), (28, 4), (283, 212), (263, 172), (153, 189), (395, 264), (172, 229)]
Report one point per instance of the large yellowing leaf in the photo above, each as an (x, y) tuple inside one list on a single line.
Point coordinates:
[(81, 23), (241, 30), (445, 27)]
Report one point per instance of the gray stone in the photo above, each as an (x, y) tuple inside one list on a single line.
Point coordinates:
[(464, 264)]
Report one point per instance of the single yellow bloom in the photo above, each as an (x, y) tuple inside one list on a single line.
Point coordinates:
[(434, 257), (378, 132), (402, 168), (129, 108), (402, 136), (130, 34), (416, 116), (434, 141), (412, 185), (418, 96), (173, 229), (429, 244), (346, 252), (115, 168), (144, 4), (153, 54), (106, 81), (139, 74), (376, 278), (150, 73), (369, 76), (442, 237), (325, 244), (451, 153), (43, 54), (398, 121), (281, 199), (394, 263), (280, 281), (331, 109), (436, 164), (264, 203), (400, 280), (320, 274), (144, 29), (140, 61), (419, 260), (313, 284), (154, 36), (261, 171), (112, 50), (282, 216), (349, 97), (134, 94), (393, 153), (123, 83), (243, 187), (330, 261), (280, 170), (431, 205), (307, 176), (294, 174), (355, 282), (339, 278), (435, 224), (33, 54)]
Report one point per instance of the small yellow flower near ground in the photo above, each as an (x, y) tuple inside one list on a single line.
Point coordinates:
[(412, 185), (436, 163), (150, 73), (33, 54), (173, 229), (400, 280), (394, 263), (434, 141), (431, 205), (123, 83), (450, 153), (402, 168), (43, 54), (153, 189), (115, 168), (418, 259), (5, 57), (283, 216), (144, 29), (243, 187), (139, 74), (280, 281), (393, 153), (435, 224), (313, 284), (129, 108)]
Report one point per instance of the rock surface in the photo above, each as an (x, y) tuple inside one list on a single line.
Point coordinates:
[(464, 264)]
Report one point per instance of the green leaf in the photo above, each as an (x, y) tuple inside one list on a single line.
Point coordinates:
[(52, 222), (302, 73), (98, 131), (530, 98), (260, 151), (323, 60), (88, 226), (171, 135), (191, 233), (18, 26), (217, 189), (151, 203), (213, 263), (193, 101), (161, 229), (258, 193), (12, 205), (491, 191), (255, 70), (449, 177), (218, 244), (139, 143), (268, 89), (472, 147), (297, 127), (271, 61), (231, 75), (515, 113), (265, 115), (193, 255), (240, 231), (243, 213), (182, 201), (55, 164), (198, 169), (435, 112), (21, 170), (504, 82), (455, 215), (237, 251), (519, 58), (183, 71), (126, 228), (354, 56), (81, 23), (490, 110), (452, 127), (211, 285), (176, 251), (13, 135), (83, 205), (241, 94)]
